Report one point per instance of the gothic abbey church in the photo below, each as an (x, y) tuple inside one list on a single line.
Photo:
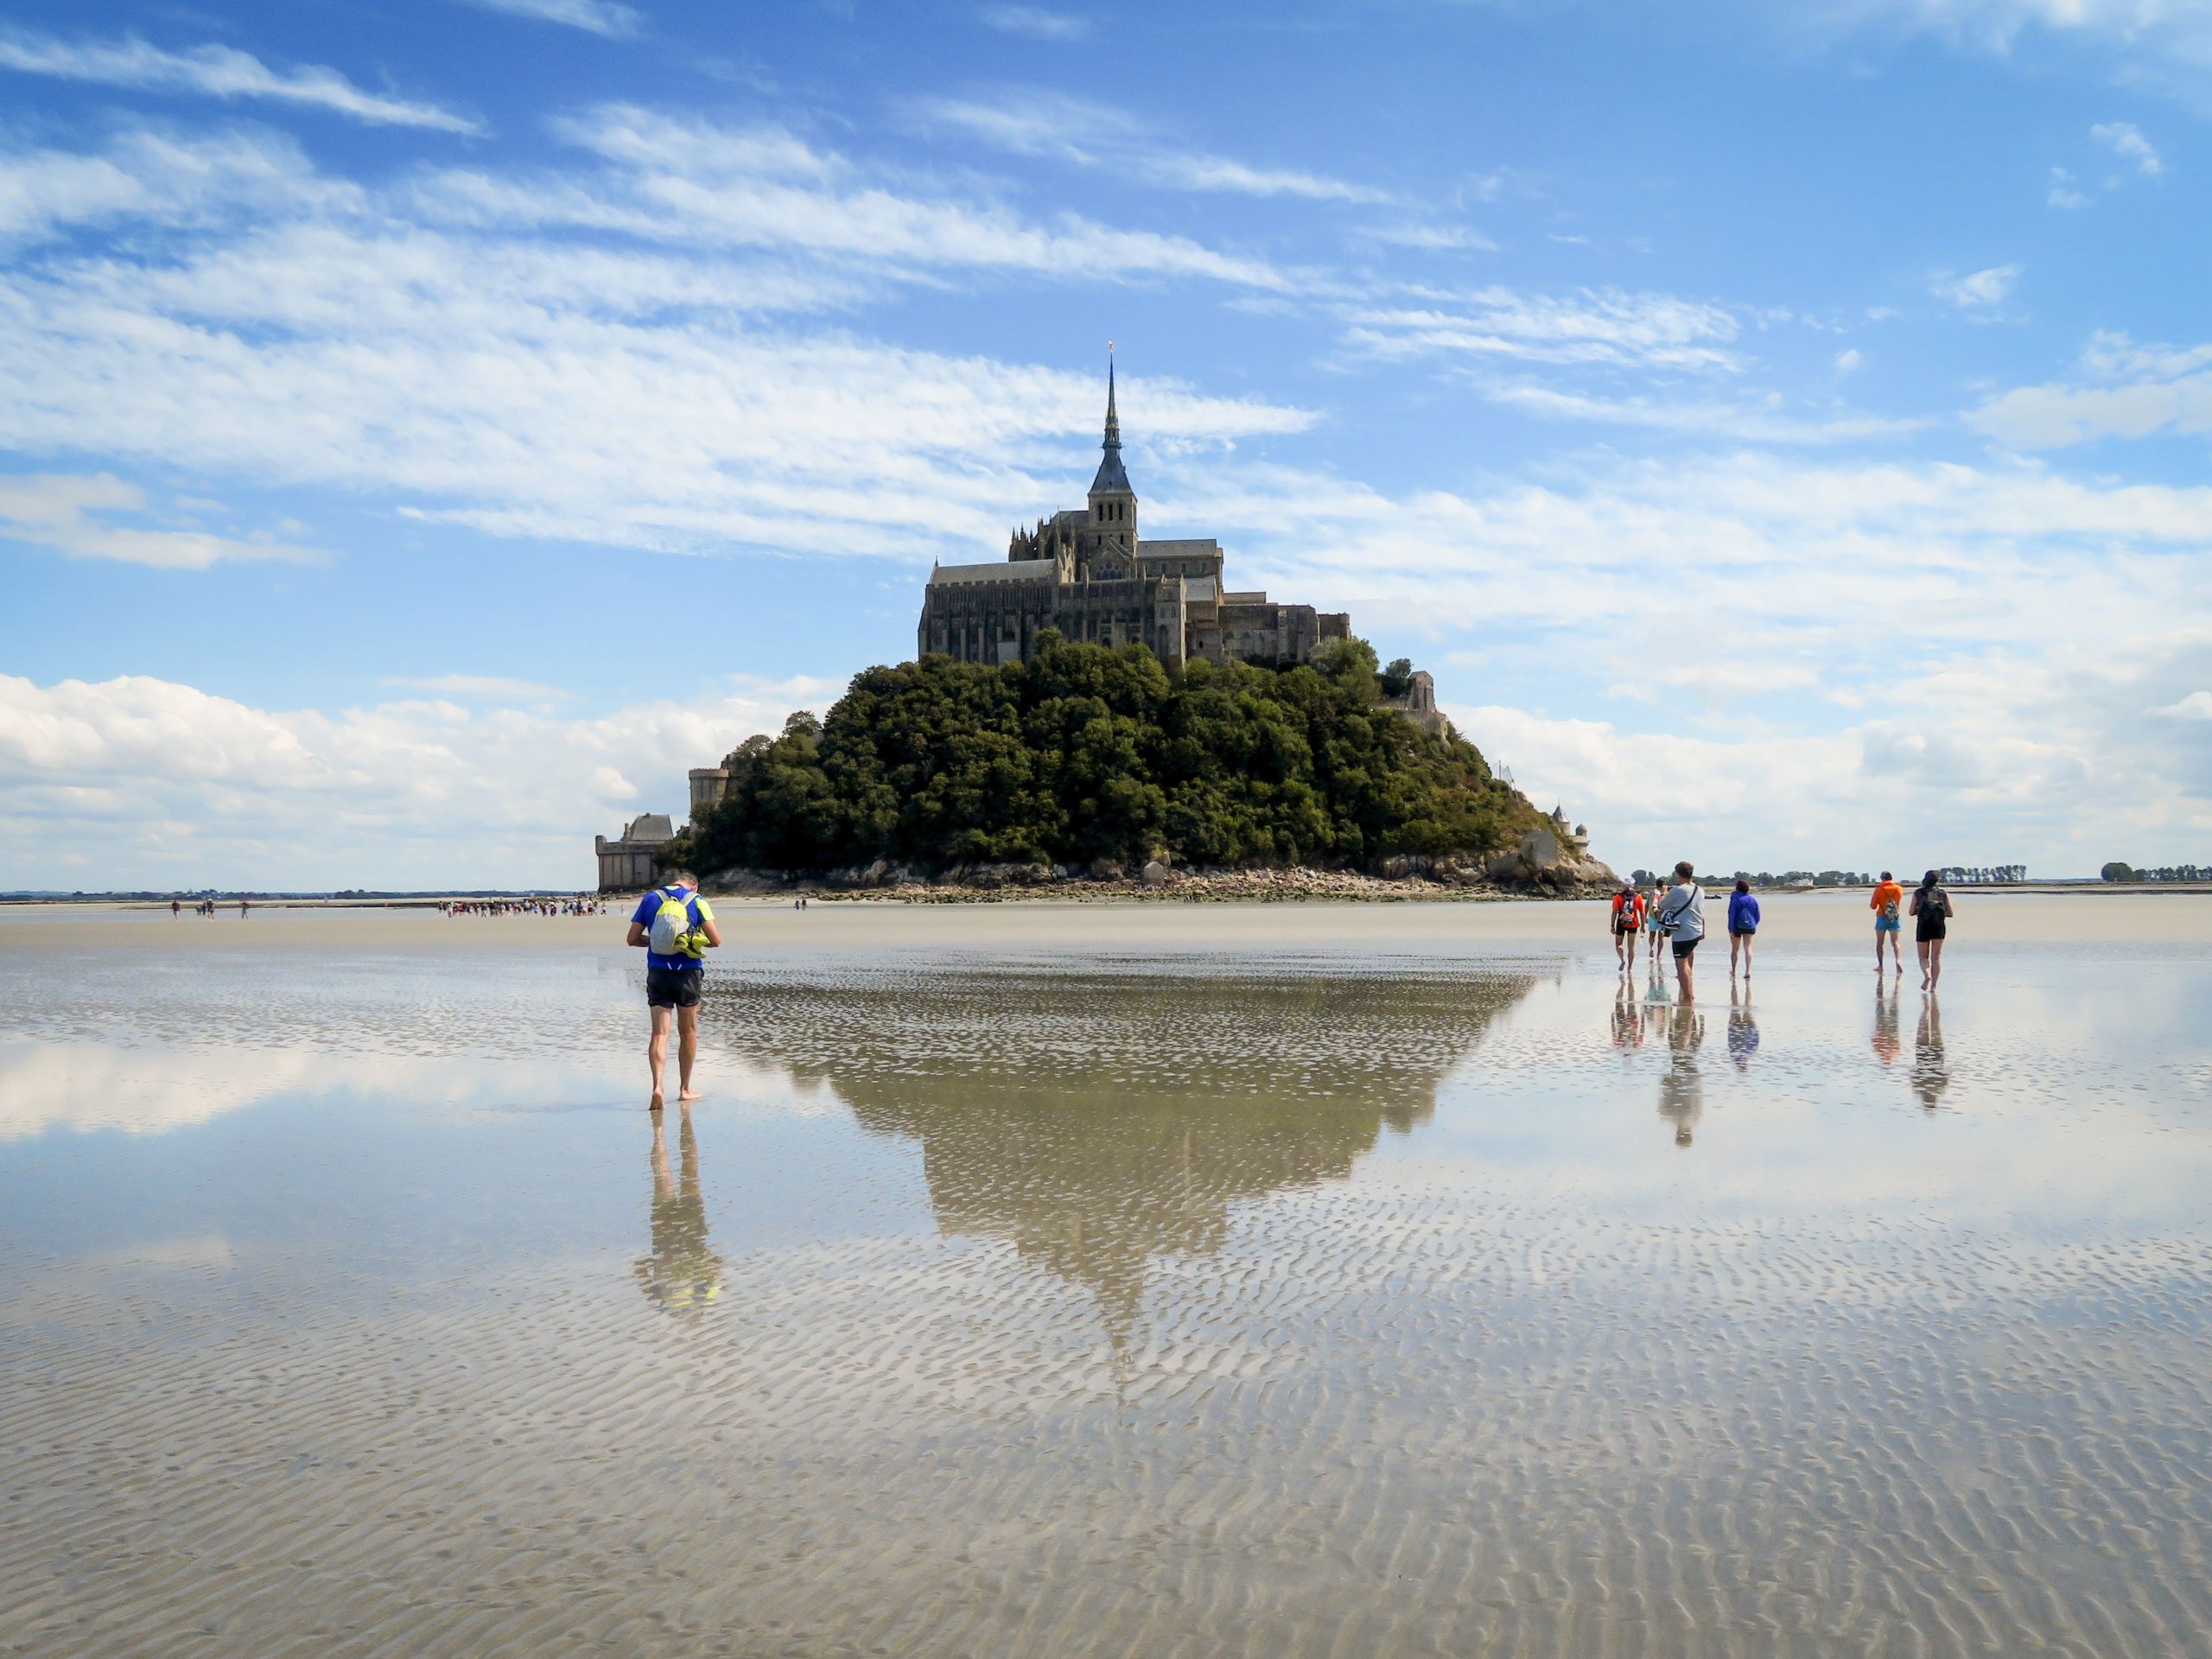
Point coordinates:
[(1086, 572)]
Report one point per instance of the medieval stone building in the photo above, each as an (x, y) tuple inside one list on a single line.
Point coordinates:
[(1086, 572)]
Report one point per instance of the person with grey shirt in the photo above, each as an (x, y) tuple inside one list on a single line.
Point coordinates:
[(1681, 918)]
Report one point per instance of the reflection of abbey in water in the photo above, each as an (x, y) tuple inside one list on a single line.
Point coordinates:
[(1097, 1121)]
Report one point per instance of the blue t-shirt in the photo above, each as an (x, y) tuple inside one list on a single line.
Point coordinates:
[(649, 907), (1743, 913)]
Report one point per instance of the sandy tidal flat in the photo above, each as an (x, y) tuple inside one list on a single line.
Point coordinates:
[(1135, 1280)]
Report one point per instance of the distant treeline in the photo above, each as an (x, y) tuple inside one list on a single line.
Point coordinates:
[(1960, 875), (1085, 752), (2119, 872)]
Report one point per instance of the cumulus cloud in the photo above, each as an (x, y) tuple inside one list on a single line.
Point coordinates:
[(165, 784), (2125, 390), (72, 515), (216, 71), (1978, 290), (2127, 140), (1838, 625), (2064, 193)]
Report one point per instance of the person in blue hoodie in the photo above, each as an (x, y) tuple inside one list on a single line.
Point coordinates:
[(1743, 924)]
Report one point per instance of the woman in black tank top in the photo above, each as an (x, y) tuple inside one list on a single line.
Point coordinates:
[(1931, 914)]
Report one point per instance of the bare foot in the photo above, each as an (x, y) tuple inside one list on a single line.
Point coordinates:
[(655, 1104), (690, 1094)]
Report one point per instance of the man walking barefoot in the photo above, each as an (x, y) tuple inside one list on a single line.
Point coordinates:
[(676, 928), (1681, 919)]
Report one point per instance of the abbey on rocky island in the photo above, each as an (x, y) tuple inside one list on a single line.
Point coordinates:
[(1086, 572)]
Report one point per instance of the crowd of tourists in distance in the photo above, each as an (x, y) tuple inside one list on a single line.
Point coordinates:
[(580, 905), (1675, 916)]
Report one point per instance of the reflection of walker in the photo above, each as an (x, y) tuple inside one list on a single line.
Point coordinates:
[(1682, 1087), (682, 1276)]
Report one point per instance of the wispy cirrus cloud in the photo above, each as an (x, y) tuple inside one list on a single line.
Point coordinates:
[(1036, 23), (1770, 419), (75, 515), (1091, 134), (608, 18), (1587, 325), (221, 72), (616, 349)]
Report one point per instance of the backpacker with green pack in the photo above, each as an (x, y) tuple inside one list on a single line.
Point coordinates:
[(672, 934)]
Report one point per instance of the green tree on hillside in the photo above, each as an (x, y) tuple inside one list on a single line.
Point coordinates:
[(1087, 752)]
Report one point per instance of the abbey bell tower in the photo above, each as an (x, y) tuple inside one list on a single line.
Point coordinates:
[(1113, 503)]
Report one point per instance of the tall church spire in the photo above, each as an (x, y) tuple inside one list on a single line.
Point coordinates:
[(1113, 421), (1111, 479)]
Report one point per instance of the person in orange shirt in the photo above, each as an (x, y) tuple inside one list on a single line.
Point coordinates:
[(1888, 905)]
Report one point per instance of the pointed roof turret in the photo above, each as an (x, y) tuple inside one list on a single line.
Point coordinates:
[(1111, 479)]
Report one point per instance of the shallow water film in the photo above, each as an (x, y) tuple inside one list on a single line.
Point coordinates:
[(1079, 1301)]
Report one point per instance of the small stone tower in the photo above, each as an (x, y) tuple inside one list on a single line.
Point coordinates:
[(1113, 503)]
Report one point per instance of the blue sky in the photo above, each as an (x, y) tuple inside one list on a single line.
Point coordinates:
[(1781, 429)]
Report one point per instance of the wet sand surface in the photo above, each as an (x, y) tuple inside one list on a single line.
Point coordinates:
[(1069, 1280)]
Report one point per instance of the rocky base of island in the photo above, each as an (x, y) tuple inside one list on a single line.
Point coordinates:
[(1523, 873)]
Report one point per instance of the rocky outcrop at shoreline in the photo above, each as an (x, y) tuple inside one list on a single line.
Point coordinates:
[(1538, 868)]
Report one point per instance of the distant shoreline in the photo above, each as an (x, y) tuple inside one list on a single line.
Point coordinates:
[(1258, 886)]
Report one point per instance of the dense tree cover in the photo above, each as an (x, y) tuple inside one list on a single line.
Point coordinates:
[(1087, 752)]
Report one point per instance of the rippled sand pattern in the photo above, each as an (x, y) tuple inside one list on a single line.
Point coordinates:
[(1114, 1308)]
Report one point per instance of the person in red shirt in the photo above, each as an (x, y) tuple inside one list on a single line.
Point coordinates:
[(1628, 924)]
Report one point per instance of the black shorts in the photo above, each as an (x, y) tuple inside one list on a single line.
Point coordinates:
[(1620, 932), (1682, 948), (673, 988), (1931, 927)]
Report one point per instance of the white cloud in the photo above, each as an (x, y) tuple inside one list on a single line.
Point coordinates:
[(2127, 140), (1591, 326), (1033, 23), (2128, 392), (1429, 236), (589, 357), (2062, 192), (1978, 290), (603, 17), (1849, 361), (693, 182), (1816, 647), (69, 514), (216, 71), (410, 793), (1761, 422), (1092, 135), (2155, 42), (154, 179), (2198, 705)]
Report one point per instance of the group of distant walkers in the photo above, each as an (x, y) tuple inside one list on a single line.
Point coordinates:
[(1676, 915)]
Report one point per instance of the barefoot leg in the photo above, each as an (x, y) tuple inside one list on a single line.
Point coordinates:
[(657, 1053), (687, 1048)]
